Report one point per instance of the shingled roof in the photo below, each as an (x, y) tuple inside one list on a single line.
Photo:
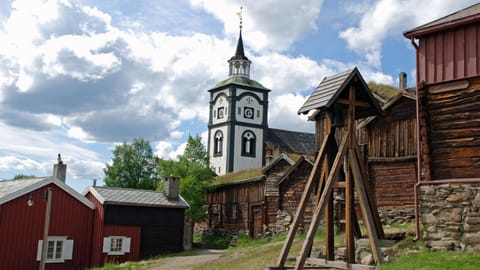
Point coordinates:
[(333, 87), (465, 16), (296, 142), (134, 197)]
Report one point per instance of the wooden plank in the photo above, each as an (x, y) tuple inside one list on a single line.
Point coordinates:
[(302, 205), (446, 87), (325, 195), (329, 264), (366, 208)]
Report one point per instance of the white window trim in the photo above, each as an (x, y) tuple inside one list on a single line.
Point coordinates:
[(67, 249), (107, 248)]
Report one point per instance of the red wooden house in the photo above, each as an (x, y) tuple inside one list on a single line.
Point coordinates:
[(448, 98), (23, 217), (132, 224)]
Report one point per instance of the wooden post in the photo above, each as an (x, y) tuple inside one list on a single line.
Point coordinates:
[(366, 208), (45, 229), (302, 205), (321, 205)]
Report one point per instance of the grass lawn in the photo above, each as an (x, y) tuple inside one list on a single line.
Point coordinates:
[(259, 254)]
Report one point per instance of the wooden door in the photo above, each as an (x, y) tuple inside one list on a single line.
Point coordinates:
[(256, 227)]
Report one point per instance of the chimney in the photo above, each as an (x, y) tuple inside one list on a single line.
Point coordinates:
[(60, 170), (172, 188), (402, 80)]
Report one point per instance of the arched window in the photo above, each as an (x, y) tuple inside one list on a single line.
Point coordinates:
[(248, 144), (218, 143)]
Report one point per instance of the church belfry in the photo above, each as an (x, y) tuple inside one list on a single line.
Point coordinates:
[(237, 123)]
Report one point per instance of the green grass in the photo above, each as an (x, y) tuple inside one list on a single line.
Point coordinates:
[(264, 252), (237, 176), (425, 260)]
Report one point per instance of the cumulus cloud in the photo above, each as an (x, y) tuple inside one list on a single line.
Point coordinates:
[(385, 18), (266, 22)]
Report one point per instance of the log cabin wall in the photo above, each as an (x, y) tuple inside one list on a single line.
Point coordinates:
[(230, 205), (291, 190), (453, 130), (272, 192), (392, 150)]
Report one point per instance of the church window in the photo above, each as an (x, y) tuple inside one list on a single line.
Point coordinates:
[(258, 113), (239, 110), (218, 143), (248, 144)]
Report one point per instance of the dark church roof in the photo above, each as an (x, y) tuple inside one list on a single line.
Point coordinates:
[(296, 142), (239, 53)]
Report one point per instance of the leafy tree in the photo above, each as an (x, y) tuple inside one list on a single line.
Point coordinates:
[(23, 176), (133, 166), (194, 174)]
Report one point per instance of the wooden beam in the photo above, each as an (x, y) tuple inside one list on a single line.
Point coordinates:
[(371, 198), (302, 205), (365, 207), (356, 103), (325, 195)]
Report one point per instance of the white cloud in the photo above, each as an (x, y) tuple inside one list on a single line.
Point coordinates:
[(284, 114), (268, 28), (387, 18), (20, 164)]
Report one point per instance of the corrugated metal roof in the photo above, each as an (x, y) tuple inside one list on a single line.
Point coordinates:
[(297, 142), (11, 189), (465, 15), (135, 197), (325, 91), (10, 186)]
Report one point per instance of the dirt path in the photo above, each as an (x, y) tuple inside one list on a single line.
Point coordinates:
[(185, 262)]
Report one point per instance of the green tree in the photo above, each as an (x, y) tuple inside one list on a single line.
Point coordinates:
[(133, 166), (23, 176), (194, 174)]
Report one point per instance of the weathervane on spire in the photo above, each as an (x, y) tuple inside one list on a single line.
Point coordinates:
[(239, 14)]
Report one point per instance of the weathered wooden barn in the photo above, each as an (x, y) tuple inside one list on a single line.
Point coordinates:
[(389, 142), (24, 215), (132, 224), (448, 98), (262, 203)]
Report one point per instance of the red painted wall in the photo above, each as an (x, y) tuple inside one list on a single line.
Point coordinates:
[(100, 231), (129, 231), (21, 226), (449, 55)]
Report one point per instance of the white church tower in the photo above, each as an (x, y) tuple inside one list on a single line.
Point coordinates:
[(237, 123)]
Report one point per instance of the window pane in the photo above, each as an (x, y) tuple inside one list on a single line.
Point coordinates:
[(116, 244), (58, 250), (50, 249)]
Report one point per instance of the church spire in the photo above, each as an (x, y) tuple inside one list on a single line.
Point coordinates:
[(239, 64)]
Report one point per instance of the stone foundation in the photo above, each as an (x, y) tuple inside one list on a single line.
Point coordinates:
[(450, 214)]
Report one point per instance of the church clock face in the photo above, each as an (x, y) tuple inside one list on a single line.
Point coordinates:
[(248, 112)]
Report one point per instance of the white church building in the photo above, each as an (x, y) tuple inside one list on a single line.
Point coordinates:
[(238, 133)]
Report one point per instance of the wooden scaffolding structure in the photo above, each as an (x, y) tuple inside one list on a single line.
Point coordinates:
[(346, 96)]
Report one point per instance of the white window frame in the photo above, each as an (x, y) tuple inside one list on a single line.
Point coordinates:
[(66, 251), (107, 245)]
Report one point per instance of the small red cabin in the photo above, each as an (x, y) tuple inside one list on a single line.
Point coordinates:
[(23, 215)]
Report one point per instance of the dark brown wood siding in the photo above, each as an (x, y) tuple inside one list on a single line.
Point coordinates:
[(291, 190), (453, 129), (449, 55), (230, 205)]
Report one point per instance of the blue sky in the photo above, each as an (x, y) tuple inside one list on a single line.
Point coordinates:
[(78, 77)]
